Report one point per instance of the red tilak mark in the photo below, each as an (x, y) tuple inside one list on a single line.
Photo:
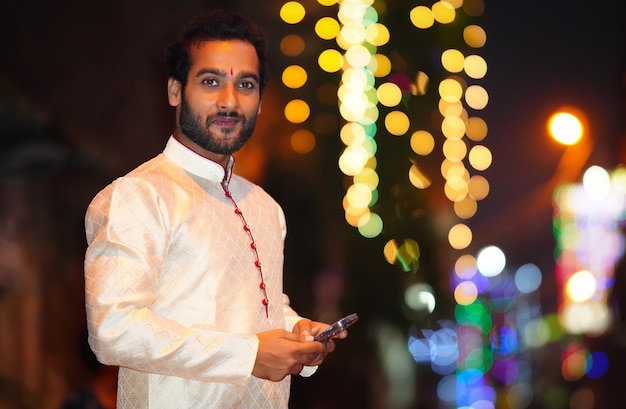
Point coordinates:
[(231, 71)]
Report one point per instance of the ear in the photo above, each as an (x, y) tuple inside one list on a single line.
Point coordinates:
[(174, 91), (258, 111)]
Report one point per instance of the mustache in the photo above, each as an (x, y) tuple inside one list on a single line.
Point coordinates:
[(227, 114)]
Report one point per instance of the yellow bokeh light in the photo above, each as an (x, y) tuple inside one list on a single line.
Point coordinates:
[(452, 60), (292, 45), (420, 85), (465, 293), (475, 66), (359, 195), (358, 56), (455, 189), (297, 111), (456, 174), (465, 266), (466, 207), (353, 160), (460, 236), (480, 157), (450, 90), (478, 187), (330, 60), (354, 214), (454, 149), (422, 142), (397, 123), (455, 3), (355, 79), (474, 8), (587, 317), (353, 105), (390, 251), (566, 128), (370, 225), (367, 177), (327, 28), (476, 129), (474, 36), (443, 12), (380, 65), (292, 12), (302, 141), (351, 11), (418, 178), (422, 17), (352, 133), (476, 97), (294, 76), (327, 2), (446, 165), (453, 127), (351, 34), (370, 115), (377, 34), (581, 286), (389, 94), (451, 108)]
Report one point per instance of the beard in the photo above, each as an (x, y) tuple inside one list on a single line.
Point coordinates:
[(198, 132)]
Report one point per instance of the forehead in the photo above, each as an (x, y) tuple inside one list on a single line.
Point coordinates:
[(227, 55)]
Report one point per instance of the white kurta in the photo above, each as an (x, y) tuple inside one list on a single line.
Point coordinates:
[(172, 290)]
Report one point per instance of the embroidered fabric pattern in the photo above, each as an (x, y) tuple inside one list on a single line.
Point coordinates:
[(257, 262)]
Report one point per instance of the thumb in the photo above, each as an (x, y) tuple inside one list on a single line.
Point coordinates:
[(298, 337)]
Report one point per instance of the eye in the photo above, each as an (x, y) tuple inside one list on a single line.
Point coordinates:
[(209, 81), (247, 85)]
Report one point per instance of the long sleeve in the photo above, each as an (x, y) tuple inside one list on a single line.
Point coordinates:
[(128, 245)]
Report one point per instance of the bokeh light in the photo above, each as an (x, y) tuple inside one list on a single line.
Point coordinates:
[(491, 261), (294, 76), (292, 12), (566, 128), (422, 17), (297, 111)]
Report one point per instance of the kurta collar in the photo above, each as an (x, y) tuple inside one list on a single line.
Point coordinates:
[(197, 164)]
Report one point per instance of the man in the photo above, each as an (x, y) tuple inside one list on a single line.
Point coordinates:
[(183, 272)]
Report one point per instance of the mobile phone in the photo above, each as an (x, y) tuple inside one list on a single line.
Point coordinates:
[(336, 328)]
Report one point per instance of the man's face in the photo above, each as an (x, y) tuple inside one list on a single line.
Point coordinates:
[(221, 100)]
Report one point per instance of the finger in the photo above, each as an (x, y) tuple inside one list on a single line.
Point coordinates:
[(304, 326), (316, 359), (342, 335), (292, 336), (329, 346), (296, 369)]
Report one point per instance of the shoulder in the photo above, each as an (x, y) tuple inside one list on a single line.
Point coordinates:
[(155, 171), (247, 187)]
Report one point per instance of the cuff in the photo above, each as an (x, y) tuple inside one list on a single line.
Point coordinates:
[(308, 371)]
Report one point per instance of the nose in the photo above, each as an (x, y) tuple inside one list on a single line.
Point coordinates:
[(227, 97)]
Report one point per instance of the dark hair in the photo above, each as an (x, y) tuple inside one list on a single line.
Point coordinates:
[(215, 25)]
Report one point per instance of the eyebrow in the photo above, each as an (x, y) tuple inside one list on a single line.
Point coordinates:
[(222, 73)]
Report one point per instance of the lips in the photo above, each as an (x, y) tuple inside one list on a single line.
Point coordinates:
[(225, 120)]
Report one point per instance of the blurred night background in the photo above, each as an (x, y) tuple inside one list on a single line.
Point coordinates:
[(409, 146)]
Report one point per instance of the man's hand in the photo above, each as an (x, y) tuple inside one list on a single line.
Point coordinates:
[(308, 327), (283, 353)]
